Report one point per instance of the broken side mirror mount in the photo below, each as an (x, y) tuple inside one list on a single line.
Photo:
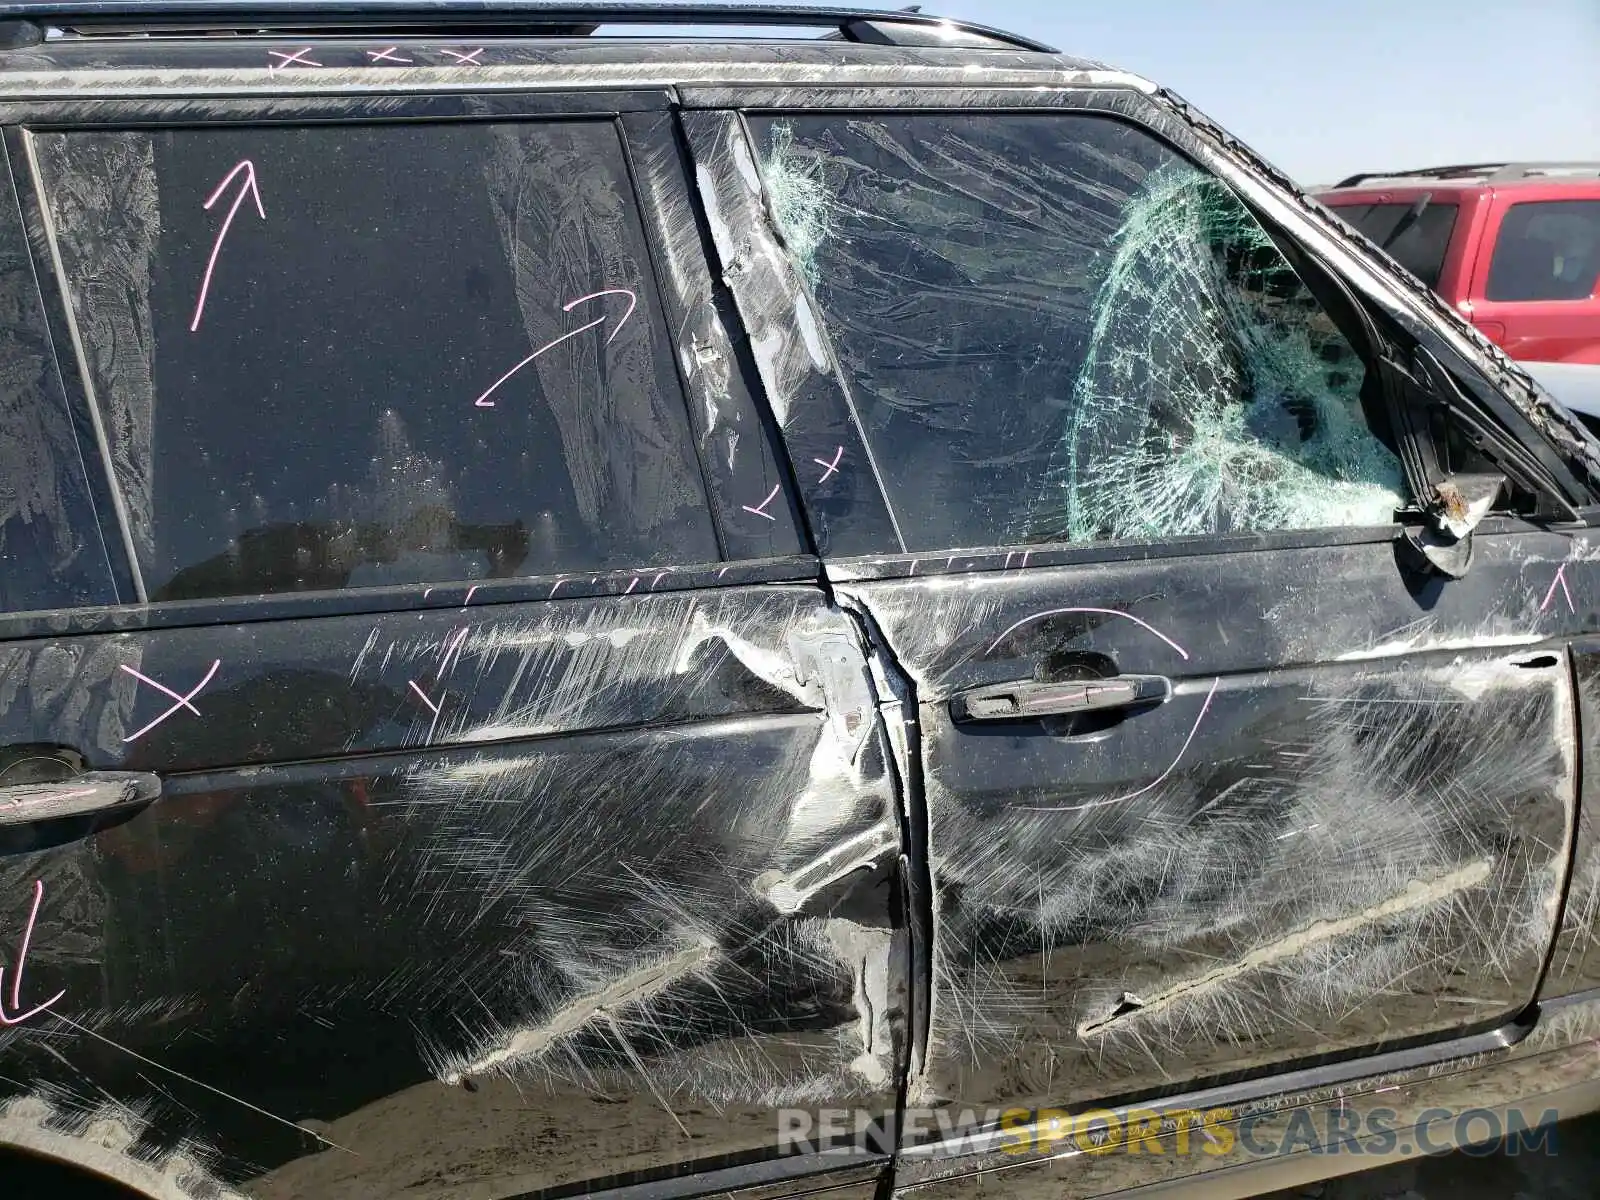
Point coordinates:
[(1443, 544)]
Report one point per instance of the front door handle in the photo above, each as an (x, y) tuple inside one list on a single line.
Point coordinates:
[(1028, 698), (77, 796)]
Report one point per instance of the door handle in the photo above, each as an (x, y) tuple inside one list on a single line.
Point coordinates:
[(1028, 698), (80, 795)]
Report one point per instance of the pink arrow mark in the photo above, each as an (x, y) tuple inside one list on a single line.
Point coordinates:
[(249, 188), (18, 1018), (483, 401)]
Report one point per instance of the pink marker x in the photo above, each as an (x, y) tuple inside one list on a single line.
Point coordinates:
[(387, 55), (299, 56), (760, 510), (832, 467), (182, 701), (464, 59)]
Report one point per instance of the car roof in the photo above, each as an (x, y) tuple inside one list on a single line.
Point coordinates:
[(60, 49), (906, 26), (1475, 175)]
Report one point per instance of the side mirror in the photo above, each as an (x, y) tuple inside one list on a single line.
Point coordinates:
[(1443, 545)]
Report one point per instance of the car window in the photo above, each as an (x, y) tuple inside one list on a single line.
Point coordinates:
[(50, 544), (1547, 250), (1055, 328), (347, 356), (1415, 234)]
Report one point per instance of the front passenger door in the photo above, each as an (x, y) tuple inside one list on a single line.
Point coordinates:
[(1210, 783)]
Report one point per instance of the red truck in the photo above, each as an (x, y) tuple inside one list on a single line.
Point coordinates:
[(1515, 247)]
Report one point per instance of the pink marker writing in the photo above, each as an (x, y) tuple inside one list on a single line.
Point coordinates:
[(760, 510), (248, 187), (483, 401), (16, 1016), (285, 58), (1559, 581), (182, 701)]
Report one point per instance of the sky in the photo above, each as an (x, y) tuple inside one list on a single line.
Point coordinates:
[(1326, 90)]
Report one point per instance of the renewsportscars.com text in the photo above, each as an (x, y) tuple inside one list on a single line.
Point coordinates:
[(1213, 1132)]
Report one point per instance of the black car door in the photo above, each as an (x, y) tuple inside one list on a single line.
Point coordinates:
[(1229, 761), (429, 763)]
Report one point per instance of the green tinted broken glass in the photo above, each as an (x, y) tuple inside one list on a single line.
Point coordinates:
[(1216, 395)]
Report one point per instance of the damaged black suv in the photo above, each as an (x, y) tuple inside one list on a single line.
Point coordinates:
[(877, 611)]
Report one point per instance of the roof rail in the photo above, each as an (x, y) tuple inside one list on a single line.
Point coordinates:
[(178, 18), (1487, 172)]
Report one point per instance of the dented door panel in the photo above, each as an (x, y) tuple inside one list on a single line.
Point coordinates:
[(462, 902), (1347, 828)]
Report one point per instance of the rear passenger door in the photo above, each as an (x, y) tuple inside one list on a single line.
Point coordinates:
[(429, 761), (1538, 278), (1216, 779)]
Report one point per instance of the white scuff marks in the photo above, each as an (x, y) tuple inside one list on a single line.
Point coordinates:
[(105, 1141), (1394, 847), (788, 892), (1416, 894), (603, 1007), (762, 661), (1568, 1026), (625, 941), (580, 664), (721, 232), (805, 319), (704, 363), (1419, 644), (745, 165), (851, 966), (360, 659), (867, 951), (379, 83)]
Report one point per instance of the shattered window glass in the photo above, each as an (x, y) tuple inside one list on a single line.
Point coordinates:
[(374, 355), (1055, 328)]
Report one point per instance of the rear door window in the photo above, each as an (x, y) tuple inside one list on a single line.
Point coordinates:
[(1415, 234), (1056, 328), (1547, 250), (364, 355)]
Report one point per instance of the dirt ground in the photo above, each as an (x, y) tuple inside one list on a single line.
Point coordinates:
[(1572, 1172)]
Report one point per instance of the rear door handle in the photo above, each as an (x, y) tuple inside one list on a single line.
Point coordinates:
[(1028, 698), (92, 792)]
